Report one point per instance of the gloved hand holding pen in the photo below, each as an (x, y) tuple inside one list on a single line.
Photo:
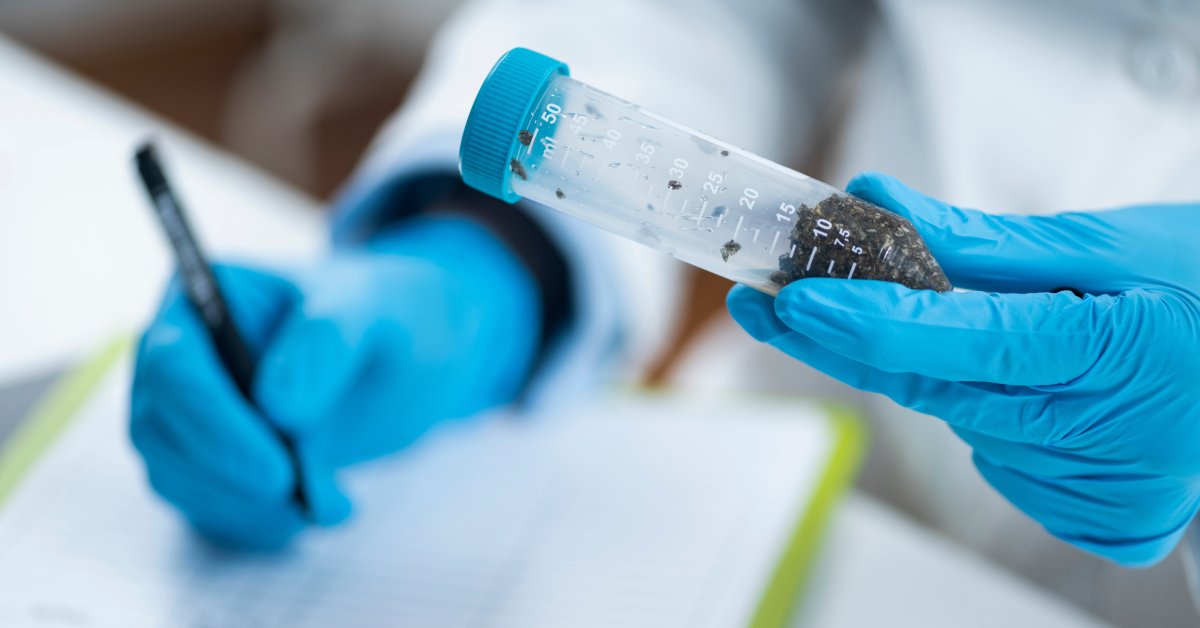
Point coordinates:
[(1083, 411), (359, 355)]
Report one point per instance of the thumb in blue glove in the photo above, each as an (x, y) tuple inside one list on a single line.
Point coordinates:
[(302, 375), (1081, 410)]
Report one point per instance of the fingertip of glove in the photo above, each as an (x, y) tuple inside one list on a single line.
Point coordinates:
[(872, 186), (326, 504), (755, 313), (333, 507), (865, 180), (892, 194), (741, 293), (1140, 554), (250, 537), (806, 294), (799, 305), (822, 304)]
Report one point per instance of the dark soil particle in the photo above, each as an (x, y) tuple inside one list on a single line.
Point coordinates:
[(854, 234), (674, 185), (525, 137), (518, 169), (559, 193), (729, 249)]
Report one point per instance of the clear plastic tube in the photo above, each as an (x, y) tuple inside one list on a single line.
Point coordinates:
[(610, 163)]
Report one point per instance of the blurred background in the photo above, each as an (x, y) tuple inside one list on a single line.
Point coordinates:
[(297, 87)]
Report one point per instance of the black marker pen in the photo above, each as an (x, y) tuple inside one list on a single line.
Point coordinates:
[(200, 284)]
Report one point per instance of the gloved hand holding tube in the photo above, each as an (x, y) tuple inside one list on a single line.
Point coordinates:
[(1083, 411)]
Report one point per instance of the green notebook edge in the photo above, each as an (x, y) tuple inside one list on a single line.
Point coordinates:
[(53, 412), (788, 583), (780, 599)]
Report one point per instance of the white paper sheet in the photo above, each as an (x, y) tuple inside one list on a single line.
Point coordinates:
[(637, 512)]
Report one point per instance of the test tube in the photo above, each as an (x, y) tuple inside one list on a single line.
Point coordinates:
[(536, 133)]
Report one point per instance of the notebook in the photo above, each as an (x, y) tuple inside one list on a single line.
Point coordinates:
[(636, 510)]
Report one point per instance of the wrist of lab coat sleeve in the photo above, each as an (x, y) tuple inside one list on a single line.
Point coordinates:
[(384, 195), (390, 184), (624, 294), (663, 62), (403, 176)]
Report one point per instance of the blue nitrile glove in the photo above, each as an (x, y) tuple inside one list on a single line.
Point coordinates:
[(1083, 411), (434, 319)]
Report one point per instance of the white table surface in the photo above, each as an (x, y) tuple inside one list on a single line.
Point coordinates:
[(80, 259), (80, 255)]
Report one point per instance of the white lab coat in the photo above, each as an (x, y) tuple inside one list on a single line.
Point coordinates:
[(1015, 105)]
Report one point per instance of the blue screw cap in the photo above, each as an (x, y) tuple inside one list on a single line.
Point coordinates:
[(489, 140)]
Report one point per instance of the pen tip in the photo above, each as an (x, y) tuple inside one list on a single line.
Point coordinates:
[(148, 166), (145, 150)]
